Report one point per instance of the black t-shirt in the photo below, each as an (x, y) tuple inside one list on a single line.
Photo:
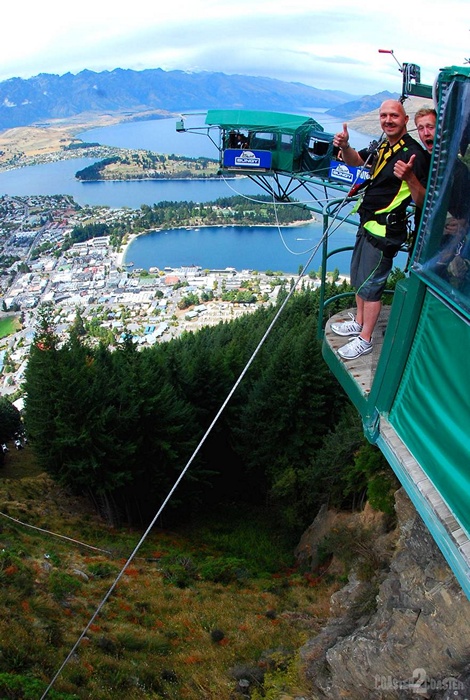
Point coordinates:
[(384, 186)]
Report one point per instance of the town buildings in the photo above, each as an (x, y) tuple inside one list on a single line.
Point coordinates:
[(113, 300)]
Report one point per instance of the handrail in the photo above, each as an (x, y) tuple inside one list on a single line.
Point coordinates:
[(326, 255)]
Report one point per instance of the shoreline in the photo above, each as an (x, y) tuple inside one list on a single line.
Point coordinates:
[(121, 254), (159, 179)]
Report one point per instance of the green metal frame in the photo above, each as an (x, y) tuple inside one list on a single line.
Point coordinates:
[(408, 404), (299, 128), (420, 382)]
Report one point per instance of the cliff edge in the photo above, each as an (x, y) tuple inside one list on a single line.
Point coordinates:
[(416, 643)]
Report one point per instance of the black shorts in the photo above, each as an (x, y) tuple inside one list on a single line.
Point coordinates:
[(370, 268)]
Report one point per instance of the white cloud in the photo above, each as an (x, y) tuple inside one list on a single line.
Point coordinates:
[(330, 44)]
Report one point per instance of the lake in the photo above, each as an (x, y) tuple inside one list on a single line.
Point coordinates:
[(59, 178), (159, 136), (240, 247)]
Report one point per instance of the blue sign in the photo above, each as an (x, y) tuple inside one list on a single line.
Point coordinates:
[(347, 174), (250, 160)]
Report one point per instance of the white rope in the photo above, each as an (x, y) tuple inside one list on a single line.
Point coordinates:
[(177, 482), (320, 200), (54, 534), (190, 461)]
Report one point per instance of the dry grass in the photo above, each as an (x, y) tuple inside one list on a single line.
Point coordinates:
[(369, 123), (159, 635), (51, 137), (33, 141)]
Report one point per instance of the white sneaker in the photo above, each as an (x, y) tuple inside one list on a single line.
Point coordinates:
[(351, 327), (355, 348)]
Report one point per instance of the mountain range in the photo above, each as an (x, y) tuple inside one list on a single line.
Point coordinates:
[(47, 97), (363, 105)]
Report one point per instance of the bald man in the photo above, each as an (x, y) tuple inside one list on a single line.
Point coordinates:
[(383, 226)]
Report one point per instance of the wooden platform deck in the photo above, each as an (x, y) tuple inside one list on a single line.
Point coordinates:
[(449, 534), (363, 368)]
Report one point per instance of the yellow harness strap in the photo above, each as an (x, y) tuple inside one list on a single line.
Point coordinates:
[(384, 154)]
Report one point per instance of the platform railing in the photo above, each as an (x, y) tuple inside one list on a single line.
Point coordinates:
[(326, 255), (328, 218)]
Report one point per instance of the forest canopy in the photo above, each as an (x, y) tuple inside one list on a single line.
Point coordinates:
[(119, 426)]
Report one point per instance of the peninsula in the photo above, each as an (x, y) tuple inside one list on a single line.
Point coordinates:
[(145, 165)]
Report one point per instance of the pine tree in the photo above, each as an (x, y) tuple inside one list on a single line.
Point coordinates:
[(10, 420), (42, 389)]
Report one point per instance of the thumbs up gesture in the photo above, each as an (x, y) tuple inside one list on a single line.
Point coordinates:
[(404, 170)]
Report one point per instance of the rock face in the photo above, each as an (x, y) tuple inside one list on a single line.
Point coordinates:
[(416, 643)]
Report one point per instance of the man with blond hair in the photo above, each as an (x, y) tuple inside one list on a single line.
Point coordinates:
[(383, 221), (425, 121)]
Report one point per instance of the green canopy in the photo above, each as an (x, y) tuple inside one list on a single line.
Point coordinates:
[(272, 121), (289, 138)]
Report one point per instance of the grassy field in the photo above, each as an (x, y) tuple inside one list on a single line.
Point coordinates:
[(9, 325), (200, 612)]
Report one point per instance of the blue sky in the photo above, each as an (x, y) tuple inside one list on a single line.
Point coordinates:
[(329, 44)]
